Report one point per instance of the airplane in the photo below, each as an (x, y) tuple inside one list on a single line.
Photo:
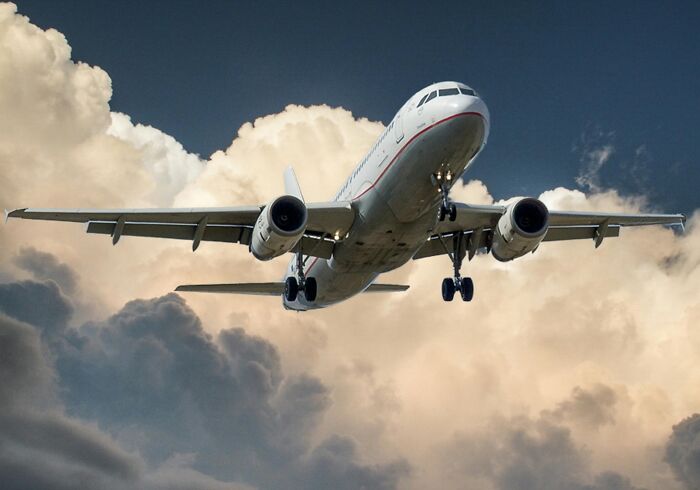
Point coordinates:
[(393, 208)]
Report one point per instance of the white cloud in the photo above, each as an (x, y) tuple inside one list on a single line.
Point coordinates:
[(405, 372)]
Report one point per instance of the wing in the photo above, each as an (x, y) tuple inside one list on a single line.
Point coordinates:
[(231, 224), (478, 222)]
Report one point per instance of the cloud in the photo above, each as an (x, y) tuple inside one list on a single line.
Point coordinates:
[(683, 451), (42, 266), (520, 453), (209, 391), (591, 407), (40, 446), (169, 164), (153, 379), (595, 148)]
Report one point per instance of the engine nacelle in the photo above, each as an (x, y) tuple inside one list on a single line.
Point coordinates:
[(279, 228), (520, 230)]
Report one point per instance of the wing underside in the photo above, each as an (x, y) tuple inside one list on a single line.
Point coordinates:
[(477, 223), (232, 225)]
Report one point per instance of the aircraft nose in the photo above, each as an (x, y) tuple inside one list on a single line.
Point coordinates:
[(472, 105), (476, 105)]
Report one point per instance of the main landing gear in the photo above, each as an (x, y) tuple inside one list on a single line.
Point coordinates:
[(447, 208), (450, 285), (292, 285)]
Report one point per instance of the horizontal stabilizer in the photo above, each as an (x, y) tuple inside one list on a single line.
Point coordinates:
[(257, 288), (271, 288), (386, 288)]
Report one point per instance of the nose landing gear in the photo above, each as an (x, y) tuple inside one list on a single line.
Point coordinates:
[(450, 285), (292, 285), (447, 208)]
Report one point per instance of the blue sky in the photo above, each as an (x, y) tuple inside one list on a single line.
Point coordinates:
[(559, 77)]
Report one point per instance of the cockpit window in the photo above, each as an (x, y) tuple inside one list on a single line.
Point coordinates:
[(422, 100), (448, 91), (432, 95), (467, 91)]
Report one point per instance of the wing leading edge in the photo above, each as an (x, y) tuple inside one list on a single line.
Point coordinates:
[(477, 223), (230, 224)]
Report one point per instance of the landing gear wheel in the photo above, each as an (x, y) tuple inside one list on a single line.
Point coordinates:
[(291, 289), (448, 289), (441, 213), (453, 212), (466, 288), (310, 289)]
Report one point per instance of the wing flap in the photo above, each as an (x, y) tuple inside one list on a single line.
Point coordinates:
[(212, 233), (310, 245), (435, 247), (578, 233)]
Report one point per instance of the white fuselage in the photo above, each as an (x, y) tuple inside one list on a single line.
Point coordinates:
[(393, 194)]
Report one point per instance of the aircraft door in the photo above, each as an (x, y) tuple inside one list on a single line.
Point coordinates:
[(398, 128)]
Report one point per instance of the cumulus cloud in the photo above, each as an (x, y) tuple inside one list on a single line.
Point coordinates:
[(525, 453), (683, 451), (595, 148), (222, 392), (42, 266), (152, 378)]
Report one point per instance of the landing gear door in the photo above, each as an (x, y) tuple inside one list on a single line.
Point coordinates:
[(398, 128)]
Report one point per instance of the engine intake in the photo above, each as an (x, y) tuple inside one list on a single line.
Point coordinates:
[(520, 230), (279, 227)]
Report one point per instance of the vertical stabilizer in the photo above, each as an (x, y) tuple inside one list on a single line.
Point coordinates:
[(291, 184)]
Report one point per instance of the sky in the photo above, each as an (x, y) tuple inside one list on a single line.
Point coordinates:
[(556, 76), (573, 368)]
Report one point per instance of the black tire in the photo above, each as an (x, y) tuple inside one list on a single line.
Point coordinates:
[(453, 212), (441, 213), (466, 289), (448, 289), (310, 289), (291, 289)]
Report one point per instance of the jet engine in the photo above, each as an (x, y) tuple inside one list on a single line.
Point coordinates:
[(279, 227), (520, 230)]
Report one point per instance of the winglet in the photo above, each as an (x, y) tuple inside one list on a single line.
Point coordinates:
[(291, 184), (15, 213)]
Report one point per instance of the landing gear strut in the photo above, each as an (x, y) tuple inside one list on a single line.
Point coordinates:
[(292, 285), (447, 208), (450, 285)]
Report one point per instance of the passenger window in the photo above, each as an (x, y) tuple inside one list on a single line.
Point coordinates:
[(448, 91), (432, 95), (422, 100), (467, 91)]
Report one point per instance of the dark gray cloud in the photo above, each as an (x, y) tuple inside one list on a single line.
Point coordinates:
[(683, 452), (39, 446), (527, 454), (591, 407), (158, 386), (38, 303), (45, 266), (333, 465), (609, 480)]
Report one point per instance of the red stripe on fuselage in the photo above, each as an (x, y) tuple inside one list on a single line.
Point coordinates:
[(393, 160), (398, 154)]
